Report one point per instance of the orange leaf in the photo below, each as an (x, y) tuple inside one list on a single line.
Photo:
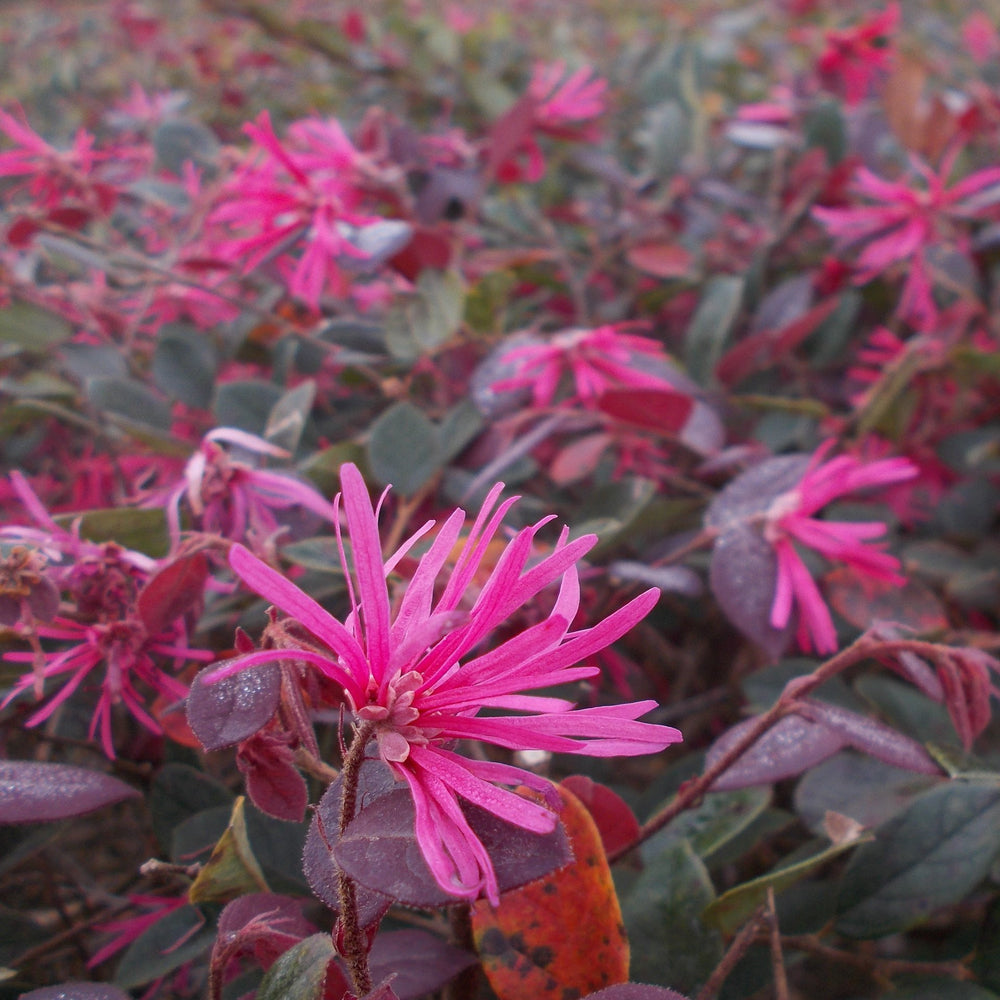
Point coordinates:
[(561, 935)]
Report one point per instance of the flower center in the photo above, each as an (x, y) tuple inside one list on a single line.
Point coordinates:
[(393, 716)]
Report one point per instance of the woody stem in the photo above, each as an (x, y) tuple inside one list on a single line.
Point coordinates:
[(354, 941)]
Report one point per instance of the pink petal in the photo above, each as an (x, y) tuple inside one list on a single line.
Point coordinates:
[(366, 550), (273, 587)]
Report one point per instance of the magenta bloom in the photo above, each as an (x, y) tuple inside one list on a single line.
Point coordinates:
[(904, 221), (232, 497), (592, 361), (854, 56), (127, 658), (790, 519), (290, 203), (414, 664)]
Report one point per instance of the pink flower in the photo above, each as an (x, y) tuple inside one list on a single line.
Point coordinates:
[(852, 57), (291, 202), (231, 497), (592, 361), (413, 665), (904, 222), (128, 656), (564, 108), (790, 520), (128, 929), (102, 584), (566, 102)]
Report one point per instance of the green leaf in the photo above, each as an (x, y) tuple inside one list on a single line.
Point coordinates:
[(130, 400), (733, 908), (927, 857), (183, 140), (300, 972), (665, 136), (824, 127), (708, 334), (177, 938), (233, 869), (907, 709), (245, 405), (718, 819), (288, 416), (29, 326), (671, 945), (611, 510), (179, 792), (184, 364), (858, 786), (142, 529), (428, 319), (461, 424), (319, 553), (323, 466), (403, 448), (277, 845)]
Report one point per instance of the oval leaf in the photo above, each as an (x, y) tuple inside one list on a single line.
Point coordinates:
[(535, 944), (184, 364), (927, 857), (299, 973), (743, 574), (670, 941), (32, 792), (789, 747), (231, 710), (173, 591), (635, 991), (403, 448), (419, 962), (615, 821), (379, 850)]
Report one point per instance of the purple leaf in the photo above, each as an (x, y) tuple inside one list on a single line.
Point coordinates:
[(318, 863), (77, 991), (742, 574), (231, 710), (788, 748), (423, 963), (273, 782), (871, 737), (754, 490), (32, 792), (379, 850), (634, 991)]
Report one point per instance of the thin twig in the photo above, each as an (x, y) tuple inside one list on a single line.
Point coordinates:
[(777, 958), (733, 954), (875, 965)]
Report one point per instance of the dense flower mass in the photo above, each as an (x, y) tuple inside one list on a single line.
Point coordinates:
[(413, 664)]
